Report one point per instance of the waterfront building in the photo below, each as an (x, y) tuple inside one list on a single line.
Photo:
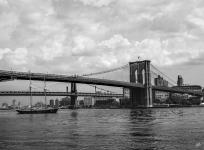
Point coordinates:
[(125, 102), (65, 101), (181, 85), (161, 96), (100, 98), (104, 102), (19, 104), (126, 93), (180, 80), (80, 103), (108, 103), (159, 81), (177, 98), (194, 88), (51, 103), (88, 101), (14, 103), (57, 103)]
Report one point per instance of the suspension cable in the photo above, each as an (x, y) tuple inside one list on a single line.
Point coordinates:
[(163, 74), (156, 75), (106, 71), (101, 88)]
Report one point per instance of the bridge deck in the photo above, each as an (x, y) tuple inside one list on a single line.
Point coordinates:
[(6, 75), (12, 75)]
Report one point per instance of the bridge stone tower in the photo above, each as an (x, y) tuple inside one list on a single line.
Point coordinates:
[(73, 91), (140, 73)]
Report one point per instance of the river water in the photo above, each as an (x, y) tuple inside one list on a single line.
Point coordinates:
[(104, 129)]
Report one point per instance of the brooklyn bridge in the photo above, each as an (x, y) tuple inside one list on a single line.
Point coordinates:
[(141, 82)]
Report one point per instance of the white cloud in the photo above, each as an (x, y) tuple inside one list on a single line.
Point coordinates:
[(52, 48), (4, 2), (97, 3), (115, 42), (83, 45), (3, 52), (8, 24), (109, 34), (18, 57)]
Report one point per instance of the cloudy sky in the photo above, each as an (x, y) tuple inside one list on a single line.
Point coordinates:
[(80, 36)]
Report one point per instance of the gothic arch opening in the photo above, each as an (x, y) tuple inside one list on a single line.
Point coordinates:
[(143, 76), (136, 76)]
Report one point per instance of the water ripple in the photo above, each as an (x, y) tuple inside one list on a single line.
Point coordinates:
[(101, 129)]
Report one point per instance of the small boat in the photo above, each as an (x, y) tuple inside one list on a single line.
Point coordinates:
[(2, 108), (37, 111), (34, 110)]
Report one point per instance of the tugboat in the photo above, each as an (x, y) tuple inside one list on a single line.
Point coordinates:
[(41, 110)]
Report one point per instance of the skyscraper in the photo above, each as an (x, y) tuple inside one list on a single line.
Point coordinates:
[(51, 103), (14, 103), (180, 80), (57, 103)]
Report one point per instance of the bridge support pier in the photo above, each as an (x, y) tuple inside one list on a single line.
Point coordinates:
[(170, 96), (73, 97), (137, 97), (141, 97), (140, 73), (153, 96)]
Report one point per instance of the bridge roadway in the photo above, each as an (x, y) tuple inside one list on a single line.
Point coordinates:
[(13, 75), (37, 93)]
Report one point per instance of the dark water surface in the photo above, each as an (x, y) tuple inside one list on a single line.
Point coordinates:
[(100, 129)]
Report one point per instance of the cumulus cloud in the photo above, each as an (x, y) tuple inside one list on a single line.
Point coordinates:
[(17, 57), (82, 45), (52, 48), (4, 2), (83, 35), (116, 41), (8, 24), (97, 3), (3, 52)]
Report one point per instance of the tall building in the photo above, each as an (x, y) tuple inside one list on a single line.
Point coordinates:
[(51, 103), (126, 93), (14, 103), (180, 80), (65, 101), (19, 104), (88, 101), (159, 81), (56, 103)]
